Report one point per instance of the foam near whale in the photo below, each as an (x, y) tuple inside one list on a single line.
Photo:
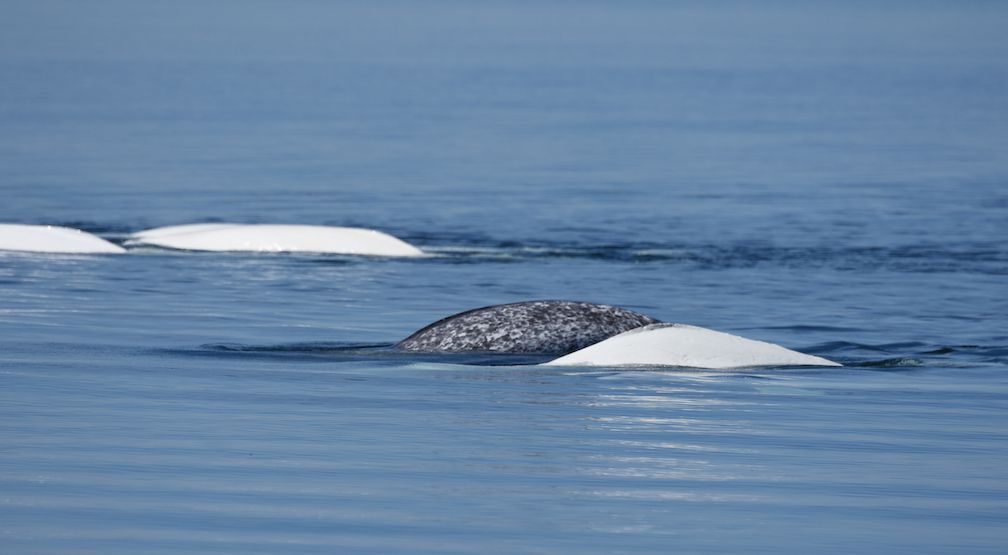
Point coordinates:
[(53, 239), (275, 238)]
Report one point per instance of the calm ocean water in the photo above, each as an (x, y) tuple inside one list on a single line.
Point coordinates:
[(832, 178)]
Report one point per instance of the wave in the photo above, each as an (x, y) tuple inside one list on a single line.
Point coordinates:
[(354, 352), (887, 356), (988, 257), (911, 354), (984, 259)]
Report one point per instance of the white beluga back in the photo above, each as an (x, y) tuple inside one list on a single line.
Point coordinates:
[(276, 238), (168, 231), (685, 346), (53, 239)]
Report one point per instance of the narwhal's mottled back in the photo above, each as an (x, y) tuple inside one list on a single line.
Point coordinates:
[(548, 327)]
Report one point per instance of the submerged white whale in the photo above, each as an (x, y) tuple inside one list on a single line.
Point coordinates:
[(685, 346), (275, 238), (53, 239)]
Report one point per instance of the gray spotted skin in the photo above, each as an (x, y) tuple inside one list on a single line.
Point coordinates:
[(547, 327)]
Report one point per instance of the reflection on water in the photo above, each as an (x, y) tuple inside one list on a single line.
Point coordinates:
[(330, 453), (827, 177)]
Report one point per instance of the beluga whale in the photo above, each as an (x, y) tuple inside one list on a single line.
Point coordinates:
[(53, 239), (686, 346), (275, 238), (588, 334)]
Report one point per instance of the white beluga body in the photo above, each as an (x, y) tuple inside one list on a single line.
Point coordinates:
[(275, 238), (53, 239), (685, 346)]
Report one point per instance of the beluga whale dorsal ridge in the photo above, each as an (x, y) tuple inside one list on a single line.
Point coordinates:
[(544, 327), (686, 346), (53, 239), (276, 238)]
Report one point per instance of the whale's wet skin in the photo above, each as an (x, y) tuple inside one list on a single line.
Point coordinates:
[(546, 327), (686, 346), (276, 238), (590, 334), (272, 238), (53, 239)]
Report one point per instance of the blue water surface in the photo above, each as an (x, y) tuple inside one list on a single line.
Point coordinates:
[(829, 176)]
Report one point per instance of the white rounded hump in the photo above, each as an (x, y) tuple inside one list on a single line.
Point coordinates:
[(54, 239), (276, 238), (160, 232), (686, 346)]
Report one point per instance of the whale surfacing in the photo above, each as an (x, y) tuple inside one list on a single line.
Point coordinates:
[(686, 346), (53, 239), (545, 327), (587, 334), (276, 238)]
